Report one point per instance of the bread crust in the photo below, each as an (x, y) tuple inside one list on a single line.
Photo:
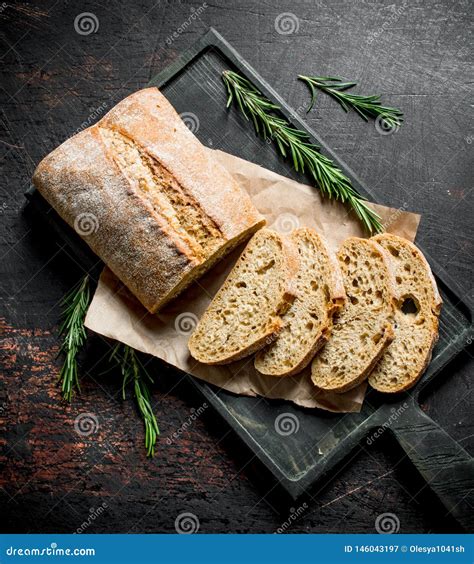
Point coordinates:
[(436, 306), (81, 178)]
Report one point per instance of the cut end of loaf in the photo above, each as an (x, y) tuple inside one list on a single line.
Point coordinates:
[(198, 271)]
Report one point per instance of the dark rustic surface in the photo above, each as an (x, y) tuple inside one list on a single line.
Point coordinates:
[(418, 55)]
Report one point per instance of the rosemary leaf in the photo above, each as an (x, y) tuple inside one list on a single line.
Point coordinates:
[(296, 144), (365, 106), (134, 374), (75, 305)]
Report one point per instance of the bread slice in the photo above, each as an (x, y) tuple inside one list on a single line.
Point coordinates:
[(417, 311), (362, 329), (245, 314), (308, 322)]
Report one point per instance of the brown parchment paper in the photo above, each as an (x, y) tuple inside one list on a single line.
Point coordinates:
[(286, 204)]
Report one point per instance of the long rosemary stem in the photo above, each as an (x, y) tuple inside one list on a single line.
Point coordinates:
[(296, 145)]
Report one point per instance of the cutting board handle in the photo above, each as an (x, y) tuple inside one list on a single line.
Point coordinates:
[(447, 468)]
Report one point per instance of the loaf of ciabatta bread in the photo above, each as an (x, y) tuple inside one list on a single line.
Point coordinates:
[(308, 322), (417, 311), (147, 197), (363, 328), (245, 314)]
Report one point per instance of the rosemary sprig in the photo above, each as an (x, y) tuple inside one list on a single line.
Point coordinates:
[(365, 106), (134, 373), (296, 144), (75, 305)]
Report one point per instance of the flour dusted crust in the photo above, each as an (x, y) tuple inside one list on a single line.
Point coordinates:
[(147, 197), (151, 121)]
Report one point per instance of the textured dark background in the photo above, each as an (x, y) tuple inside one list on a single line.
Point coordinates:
[(418, 55)]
